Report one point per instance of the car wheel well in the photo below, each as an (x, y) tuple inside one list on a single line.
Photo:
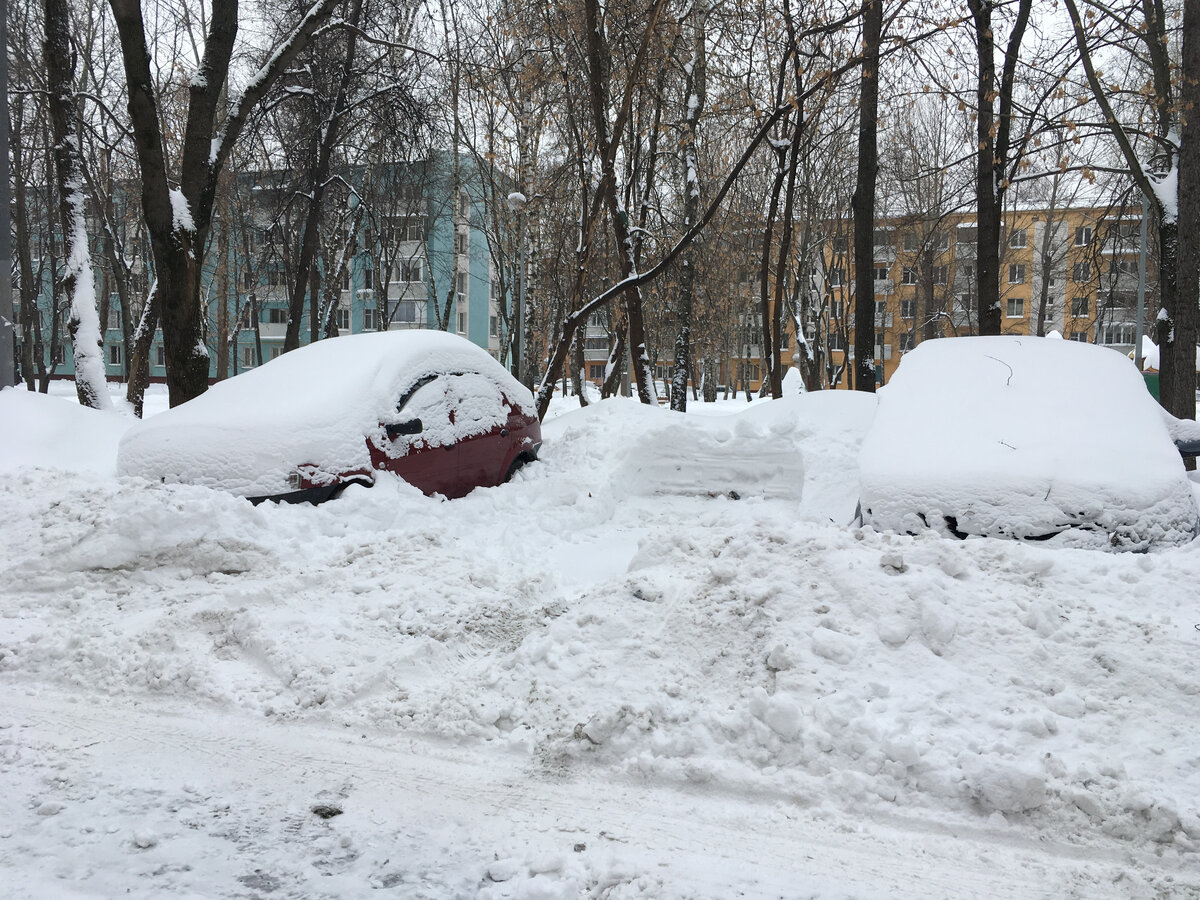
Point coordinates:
[(522, 460), (340, 488)]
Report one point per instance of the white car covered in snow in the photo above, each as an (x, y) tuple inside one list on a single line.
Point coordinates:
[(1027, 438), (431, 407)]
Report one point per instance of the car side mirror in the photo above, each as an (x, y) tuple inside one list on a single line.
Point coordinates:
[(412, 426)]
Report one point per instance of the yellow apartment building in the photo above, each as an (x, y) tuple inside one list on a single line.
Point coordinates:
[(1073, 271)]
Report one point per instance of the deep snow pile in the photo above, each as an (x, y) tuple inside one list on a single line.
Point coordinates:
[(594, 630)]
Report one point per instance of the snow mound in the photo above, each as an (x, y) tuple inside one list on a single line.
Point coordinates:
[(47, 432), (1027, 438)]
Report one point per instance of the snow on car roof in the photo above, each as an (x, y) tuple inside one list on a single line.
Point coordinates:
[(1023, 436), (313, 405)]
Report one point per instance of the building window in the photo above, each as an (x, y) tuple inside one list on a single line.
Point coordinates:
[(247, 280), (881, 273), (346, 280), (494, 326), (908, 275), (834, 340), (595, 343), (939, 274), (1083, 235), (1017, 240), (1079, 307), (462, 242), (1123, 267), (966, 234), (406, 228), (837, 276), (160, 355), (907, 342), (247, 357), (941, 241), (405, 311), (1016, 273), (1118, 333), (836, 310), (912, 242), (462, 323), (840, 243), (114, 317), (461, 287), (882, 238), (277, 278), (908, 309), (341, 318), (883, 350), (1081, 271), (967, 271), (1015, 308), (368, 279), (114, 354), (494, 288), (369, 319), (276, 352), (411, 271), (1080, 336), (596, 371), (276, 316), (464, 204)]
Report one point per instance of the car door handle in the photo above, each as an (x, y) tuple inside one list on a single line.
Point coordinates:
[(503, 432)]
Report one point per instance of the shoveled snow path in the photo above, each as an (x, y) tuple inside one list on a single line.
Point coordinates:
[(168, 799)]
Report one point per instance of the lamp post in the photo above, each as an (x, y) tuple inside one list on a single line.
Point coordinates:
[(517, 203)]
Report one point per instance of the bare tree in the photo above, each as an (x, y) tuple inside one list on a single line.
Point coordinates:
[(1141, 29), (178, 219)]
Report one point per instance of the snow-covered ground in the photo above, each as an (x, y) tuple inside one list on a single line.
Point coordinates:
[(658, 664)]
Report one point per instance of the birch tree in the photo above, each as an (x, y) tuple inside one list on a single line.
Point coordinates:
[(78, 277)]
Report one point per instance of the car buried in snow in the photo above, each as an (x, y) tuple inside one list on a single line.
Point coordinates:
[(1027, 438), (431, 407)]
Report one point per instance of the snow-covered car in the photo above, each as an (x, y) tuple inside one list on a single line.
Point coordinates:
[(431, 407), (1026, 438)]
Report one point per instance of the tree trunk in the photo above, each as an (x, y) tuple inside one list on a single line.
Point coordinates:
[(33, 366), (992, 132), (694, 93), (862, 204), (1177, 381), (178, 220), (139, 359), (79, 280)]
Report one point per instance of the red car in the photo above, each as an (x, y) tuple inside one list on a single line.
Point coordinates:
[(431, 407)]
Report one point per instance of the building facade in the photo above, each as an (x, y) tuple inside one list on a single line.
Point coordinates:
[(1071, 271), (417, 249)]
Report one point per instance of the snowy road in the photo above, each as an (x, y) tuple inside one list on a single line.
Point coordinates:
[(592, 682), (157, 799)]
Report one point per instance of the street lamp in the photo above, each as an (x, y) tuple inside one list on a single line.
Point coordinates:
[(517, 203)]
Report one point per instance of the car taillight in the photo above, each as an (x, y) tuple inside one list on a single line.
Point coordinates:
[(293, 480)]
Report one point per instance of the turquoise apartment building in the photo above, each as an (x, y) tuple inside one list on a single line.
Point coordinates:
[(418, 242)]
